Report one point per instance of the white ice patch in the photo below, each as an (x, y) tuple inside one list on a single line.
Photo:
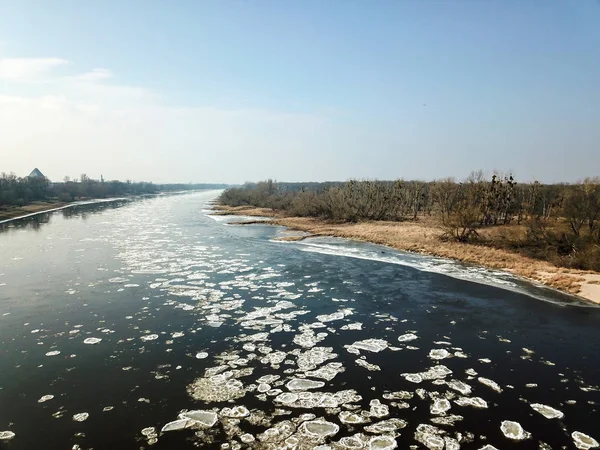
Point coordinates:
[(205, 419), (301, 384), (583, 441), (80, 417), (201, 355), (514, 430), (439, 353), (53, 353), (459, 386), (6, 435), (149, 337), (475, 402), (319, 428), (370, 345), (547, 411), (92, 340), (407, 337), (490, 383), (439, 406), (45, 398)]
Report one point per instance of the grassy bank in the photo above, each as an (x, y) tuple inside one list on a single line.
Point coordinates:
[(11, 212), (423, 236)]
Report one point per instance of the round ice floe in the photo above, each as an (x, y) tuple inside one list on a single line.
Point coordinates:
[(378, 409), (201, 355), (382, 443), (263, 387), (430, 437), (6, 435), (412, 377), (407, 337), (80, 417), (348, 417), (53, 353), (488, 447), (514, 430), (287, 398), (547, 411), (150, 431), (440, 406), (92, 340), (204, 418), (236, 412), (439, 353), (177, 334), (320, 428), (45, 398), (583, 441)]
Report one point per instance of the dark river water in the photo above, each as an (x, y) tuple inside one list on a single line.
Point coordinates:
[(150, 324)]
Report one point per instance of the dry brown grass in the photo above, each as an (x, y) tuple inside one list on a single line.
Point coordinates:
[(423, 237), (11, 212)]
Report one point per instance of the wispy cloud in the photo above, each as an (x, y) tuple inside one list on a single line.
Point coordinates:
[(27, 69), (94, 75)]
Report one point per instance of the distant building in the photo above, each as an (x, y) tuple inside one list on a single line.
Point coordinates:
[(35, 173)]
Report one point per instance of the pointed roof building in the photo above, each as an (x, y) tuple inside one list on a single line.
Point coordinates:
[(35, 173)]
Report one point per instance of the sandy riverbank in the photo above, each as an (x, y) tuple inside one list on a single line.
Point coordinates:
[(11, 212), (422, 237)]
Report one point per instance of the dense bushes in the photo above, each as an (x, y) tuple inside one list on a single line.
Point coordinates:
[(559, 222)]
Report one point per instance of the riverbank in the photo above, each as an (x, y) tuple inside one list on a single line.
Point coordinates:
[(12, 212), (423, 237)]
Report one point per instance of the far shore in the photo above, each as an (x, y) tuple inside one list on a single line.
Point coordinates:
[(422, 237)]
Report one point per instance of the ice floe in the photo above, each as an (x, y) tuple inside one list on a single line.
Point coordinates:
[(514, 430), (547, 411)]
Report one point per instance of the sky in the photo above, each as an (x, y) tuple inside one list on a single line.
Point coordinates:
[(313, 90)]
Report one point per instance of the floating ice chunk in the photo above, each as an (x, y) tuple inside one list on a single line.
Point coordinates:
[(382, 443), (203, 418), (331, 317), (407, 337), (398, 395), (247, 438), (488, 447), (352, 326), (367, 365), (53, 353), (378, 409), (386, 426), (178, 424), (45, 398), (583, 441), (348, 417), (484, 360), (301, 384), (287, 398), (149, 337), (547, 411), (6, 435), (319, 428), (177, 334), (80, 417), (459, 386), (490, 383), (475, 402), (439, 353), (236, 412), (449, 420), (514, 430), (92, 340), (430, 437), (439, 406), (471, 372), (371, 345), (412, 377), (201, 355), (327, 372), (436, 372)]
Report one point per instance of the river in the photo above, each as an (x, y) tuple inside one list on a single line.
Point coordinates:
[(120, 319)]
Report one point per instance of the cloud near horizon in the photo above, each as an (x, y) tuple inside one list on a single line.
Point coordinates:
[(86, 123)]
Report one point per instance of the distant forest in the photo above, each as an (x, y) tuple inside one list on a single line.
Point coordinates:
[(557, 222), (20, 191)]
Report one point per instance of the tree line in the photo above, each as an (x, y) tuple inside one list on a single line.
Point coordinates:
[(20, 191), (558, 222)]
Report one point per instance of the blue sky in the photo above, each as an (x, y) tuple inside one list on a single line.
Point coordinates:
[(300, 90)]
